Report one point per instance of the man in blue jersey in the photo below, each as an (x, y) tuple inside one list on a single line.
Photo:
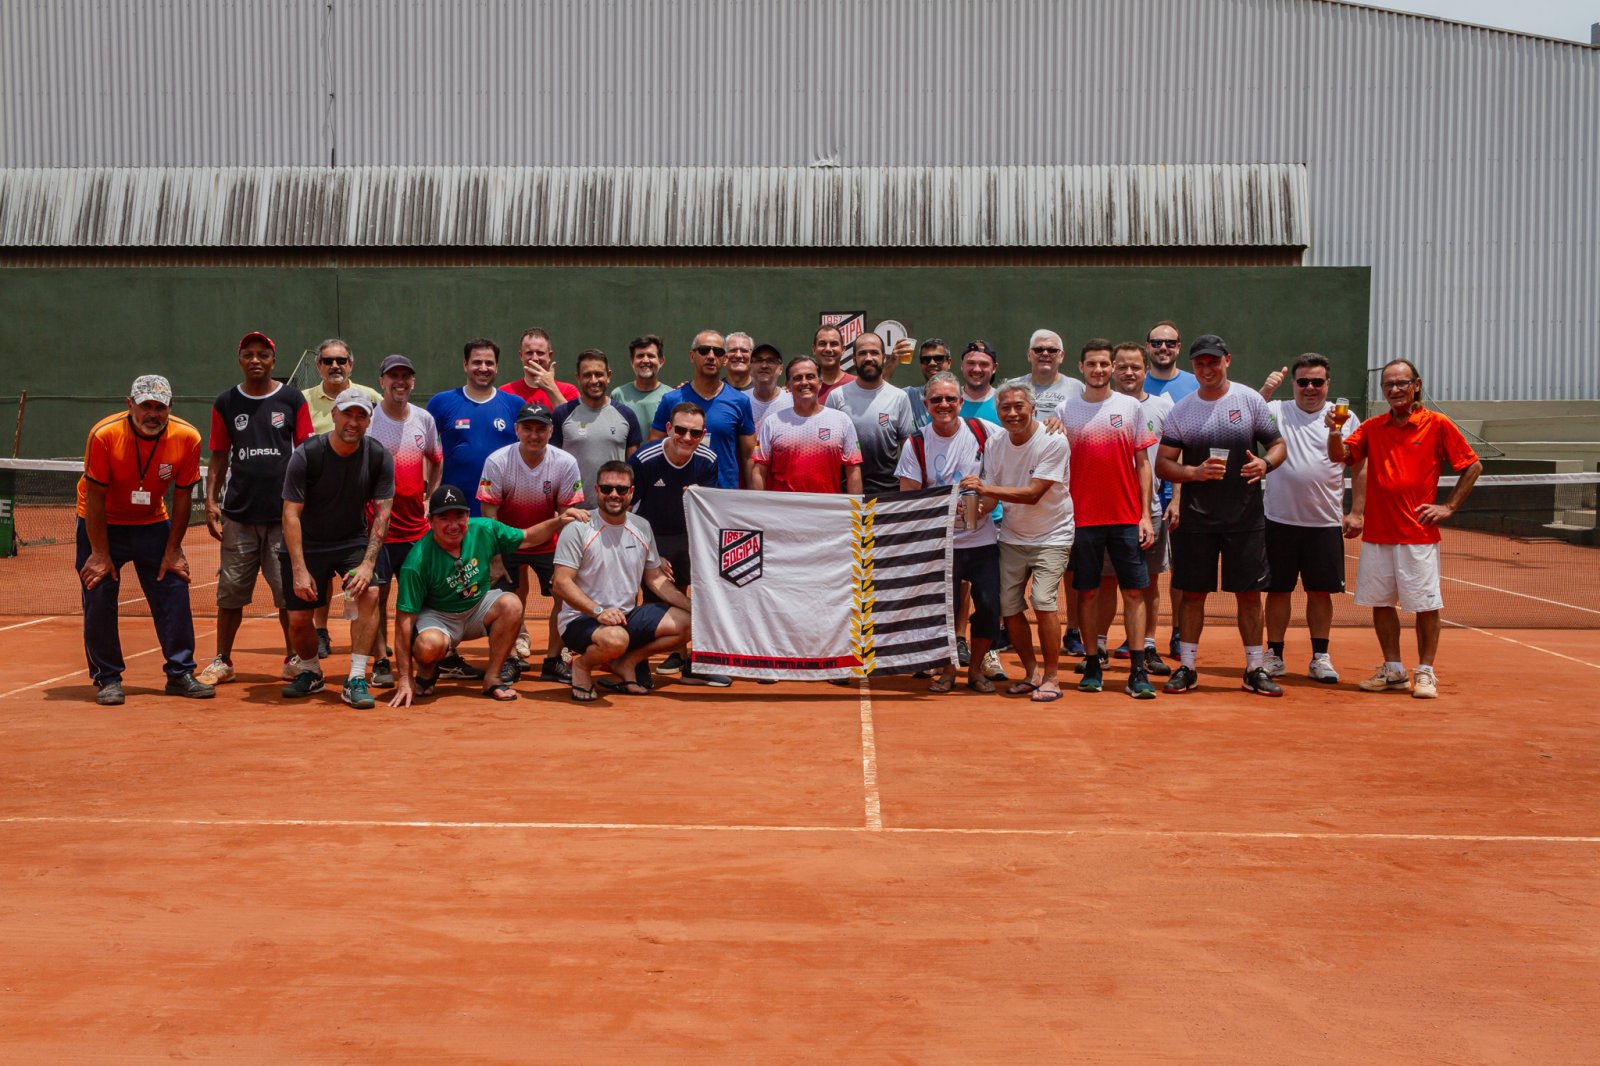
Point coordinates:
[(1166, 378), (730, 428), (475, 420)]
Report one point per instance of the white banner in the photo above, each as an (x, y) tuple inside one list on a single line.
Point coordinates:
[(805, 586)]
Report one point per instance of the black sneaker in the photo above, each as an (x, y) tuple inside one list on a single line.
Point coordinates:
[(303, 685), (1183, 679), (111, 695), (671, 666), (1072, 643), (1091, 675), (1173, 651), (382, 674), (324, 644), (691, 676), (189, 688), (510, 672), (554, 669), (1261, 683), (453, 665), (1139, 686), (1154, 665), (963, 652), (1101, 660)]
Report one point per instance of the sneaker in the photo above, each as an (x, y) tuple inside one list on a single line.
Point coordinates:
[(553, 668), (523, 647), (291, 667), (1091, 675), (1101, 658), (1425, 686), (1122, 652), (510, 672), (672, 666), (1387, 680), (1259, 682), (1183, 679), (1273, 665), (992, 668), (453, 665), (356, 695), (691, 676), (218, 671), (963, 651), (324, 644), (111, 695), (304, 684), (382, 674), (1322, 670), (1173, 651), (1139, 686), (1154, 665), (186, 686), (1072, 644)]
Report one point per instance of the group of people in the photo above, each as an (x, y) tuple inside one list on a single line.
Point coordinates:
[(1085, 485)]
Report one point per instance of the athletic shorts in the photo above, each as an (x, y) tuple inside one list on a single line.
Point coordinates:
[(461, 625), (980, 568), (542, 565), (324, 564), (1313, 555), (1244, 560), (1399, 575), (1046, 562), (247, 550), (393, 556), (674, 551), (1155, 556), (1097, 547), (643, 621)]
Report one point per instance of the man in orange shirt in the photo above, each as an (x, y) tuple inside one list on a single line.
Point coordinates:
[(131, 460), (1406, 449)]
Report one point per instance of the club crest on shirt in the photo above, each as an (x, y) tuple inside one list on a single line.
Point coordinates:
[(278, 419), (1116, 421), (884, 419), (164, 471), (240, 421), (1235, 416), (463, 423), (500, 424), (824, 434), (416, 439), (740, 562), (548, 485)]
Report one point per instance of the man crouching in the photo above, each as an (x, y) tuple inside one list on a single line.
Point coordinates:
[(598, 568)]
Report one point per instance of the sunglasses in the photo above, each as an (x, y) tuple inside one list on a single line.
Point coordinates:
[(1312, 383), (1391, 386), (1164, 343), (685, 431), (613, 490), (930, 400), (932, 360), (1047, 351), (709, 349), (334, 361)]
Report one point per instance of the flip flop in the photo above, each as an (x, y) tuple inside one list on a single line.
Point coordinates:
[(1021, 688), (619, 687), (1045, 696), (983, 685), (583, 694), (423, 686), (500, 692), (942, 685)]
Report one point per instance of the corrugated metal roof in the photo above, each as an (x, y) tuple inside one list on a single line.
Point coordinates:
[(1260, 205)]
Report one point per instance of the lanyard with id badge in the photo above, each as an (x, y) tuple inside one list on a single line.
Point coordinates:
[(140, 496)]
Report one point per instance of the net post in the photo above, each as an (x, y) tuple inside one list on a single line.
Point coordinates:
[(16, 437)]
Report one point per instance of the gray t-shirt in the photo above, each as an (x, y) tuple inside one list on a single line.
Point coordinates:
[(609, 559), (1046, 400), (883, 420), (595, 437)]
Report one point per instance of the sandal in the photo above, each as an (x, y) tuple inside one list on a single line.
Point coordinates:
[(1046, 696), (982, 685), (583, 694), (942, 685), (423, 686), (501, 692), (620, 687), (1021, 688)]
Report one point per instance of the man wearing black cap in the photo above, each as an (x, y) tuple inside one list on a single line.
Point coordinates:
[(255, 427), (766, 363), (445, 596), (1209, 444)]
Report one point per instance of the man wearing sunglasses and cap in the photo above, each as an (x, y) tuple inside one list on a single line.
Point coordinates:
[(933, 357), (131, 460)]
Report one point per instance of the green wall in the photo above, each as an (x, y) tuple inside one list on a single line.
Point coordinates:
[(84, 334)]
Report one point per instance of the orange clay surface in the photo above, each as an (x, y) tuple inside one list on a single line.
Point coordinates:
[(701, 876)]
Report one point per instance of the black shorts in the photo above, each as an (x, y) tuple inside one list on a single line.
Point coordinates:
[(323, 564), (1091, 545), (391, 558), (543, 567), (643, 621), (1313, 554), (1244, 560), (674, 551), (980, 568)]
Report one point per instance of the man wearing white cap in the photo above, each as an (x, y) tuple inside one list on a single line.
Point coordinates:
[(330, 483), (132, 458)]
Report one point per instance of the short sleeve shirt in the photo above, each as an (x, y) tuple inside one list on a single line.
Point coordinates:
[(1044, 455), (642, 404), (1049, 397), (760, 409), (1403, 468), (947, 461), (807, 454), (1105, 436), (433, 579), (1238, 421), (1154, 410), (609, 560), (984, 409), (470, 431), (334, 513), (414, 442), (727, 419), (527, 495), (883, 420), (321, 404), (127, 464), (595, 437), (1308, 489), (258, 433), (1174, 388), (659, 485), (526, 394)]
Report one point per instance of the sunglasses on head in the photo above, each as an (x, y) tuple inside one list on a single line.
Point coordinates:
[(685, 431), (613, 490), (709, 349)]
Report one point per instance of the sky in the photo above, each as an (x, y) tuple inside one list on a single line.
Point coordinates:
[(1569, 19)]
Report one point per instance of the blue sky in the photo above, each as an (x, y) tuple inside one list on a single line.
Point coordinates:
[(1568, 19)]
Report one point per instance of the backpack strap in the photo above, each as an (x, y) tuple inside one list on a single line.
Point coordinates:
[(317, 457), (977, 431), (920, 446)]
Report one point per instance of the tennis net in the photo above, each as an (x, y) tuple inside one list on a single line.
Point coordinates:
[(1521, 554)]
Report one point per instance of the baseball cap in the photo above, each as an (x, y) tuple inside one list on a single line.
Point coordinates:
[(257, 335), (447, 498), (352, 398), (981, 346), (148, 387), (1208, 344), (758, 349), (535, 412), (390, 362)]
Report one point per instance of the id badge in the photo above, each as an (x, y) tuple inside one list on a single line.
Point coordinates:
[(139, 498)]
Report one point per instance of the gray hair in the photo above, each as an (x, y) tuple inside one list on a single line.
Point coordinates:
[(1042, 334), (1018, 386), (943, 377), (335, 342), (727, 341)]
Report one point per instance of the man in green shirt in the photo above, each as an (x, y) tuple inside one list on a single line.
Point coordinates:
[(644, 393), (446, 596)]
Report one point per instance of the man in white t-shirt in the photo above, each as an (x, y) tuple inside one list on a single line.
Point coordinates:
[(944, 452), (1305, 511), (766, 395), (1051, 388), (1026, 469)]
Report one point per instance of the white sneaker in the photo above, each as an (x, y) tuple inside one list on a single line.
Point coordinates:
[(1273, 665), (1322, 670), (1424, 686), (523, 648), (1387, 680), (216, 673), (292, 667), (992, 668)]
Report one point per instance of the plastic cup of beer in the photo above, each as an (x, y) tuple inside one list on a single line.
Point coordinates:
[(906, 349), (1341, 409)]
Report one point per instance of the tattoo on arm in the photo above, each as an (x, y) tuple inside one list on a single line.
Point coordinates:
[(380, 529)]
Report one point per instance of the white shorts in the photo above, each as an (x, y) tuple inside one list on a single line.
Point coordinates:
[(1399, 575), (460, 625)]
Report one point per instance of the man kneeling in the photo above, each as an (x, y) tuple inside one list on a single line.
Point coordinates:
[(445, 596), (599, 565)]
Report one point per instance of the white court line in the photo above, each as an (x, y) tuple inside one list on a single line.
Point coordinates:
[(34, 621), (1523, 644), (869, 760), (1523, 595), (85, 670), (625, 827)]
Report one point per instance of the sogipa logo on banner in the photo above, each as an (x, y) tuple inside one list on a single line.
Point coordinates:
[(741, 555)]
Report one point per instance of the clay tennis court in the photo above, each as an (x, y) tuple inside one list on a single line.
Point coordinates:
[(799, 873)]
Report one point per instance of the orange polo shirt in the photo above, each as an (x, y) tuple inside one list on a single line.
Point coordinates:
[(1403, 468), (125, 463)]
